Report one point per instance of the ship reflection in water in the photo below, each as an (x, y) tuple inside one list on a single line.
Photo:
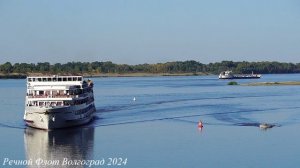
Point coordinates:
[(53, 148)]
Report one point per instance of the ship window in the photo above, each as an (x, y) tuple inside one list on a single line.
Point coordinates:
[(29, 79), (33, 79), (59, 79), (44, 79), (49, 79), (64, 79), (39, 79), (54, 79), (80, 79), (69, 79)]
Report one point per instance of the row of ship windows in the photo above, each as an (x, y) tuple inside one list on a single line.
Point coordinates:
[(55, 79), (60, 103), (58, 92)]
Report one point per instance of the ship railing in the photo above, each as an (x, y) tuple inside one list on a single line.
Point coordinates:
[(57, 96), (52, 96)]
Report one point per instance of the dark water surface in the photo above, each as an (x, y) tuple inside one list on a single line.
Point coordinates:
[(159, 129)]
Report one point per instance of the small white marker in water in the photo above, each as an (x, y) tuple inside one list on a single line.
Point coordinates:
[(134, 99)]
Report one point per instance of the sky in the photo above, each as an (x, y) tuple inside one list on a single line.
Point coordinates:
[(149, 31)]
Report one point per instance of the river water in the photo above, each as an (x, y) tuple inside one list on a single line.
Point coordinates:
[(159, 129)]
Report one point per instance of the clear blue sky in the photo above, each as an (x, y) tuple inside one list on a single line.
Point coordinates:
[(149, 31)]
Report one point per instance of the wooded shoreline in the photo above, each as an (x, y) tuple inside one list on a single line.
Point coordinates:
[(177, 68), (273, 83), (23, 76)]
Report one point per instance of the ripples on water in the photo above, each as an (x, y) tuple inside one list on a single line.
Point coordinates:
[(158, 129), (188, 99), (180, 99)]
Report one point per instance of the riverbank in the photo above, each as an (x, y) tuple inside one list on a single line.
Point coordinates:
[(272, 83), (143, 74), (23, 76), (13, 76)]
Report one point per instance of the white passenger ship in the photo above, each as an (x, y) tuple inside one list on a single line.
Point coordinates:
[(58, 101), (230, 75)]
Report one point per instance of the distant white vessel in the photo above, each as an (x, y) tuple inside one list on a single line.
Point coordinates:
[(230, 75), (58, 101)]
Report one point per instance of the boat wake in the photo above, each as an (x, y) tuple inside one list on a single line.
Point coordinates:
[(13, 125), (139, 105), (226, 118), (182, 110)]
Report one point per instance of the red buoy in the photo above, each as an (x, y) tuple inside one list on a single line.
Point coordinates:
[(200, 124)]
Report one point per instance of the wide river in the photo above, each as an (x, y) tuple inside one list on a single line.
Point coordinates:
[(159, 129)]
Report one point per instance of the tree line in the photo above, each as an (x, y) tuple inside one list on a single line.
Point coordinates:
[(168, 67)]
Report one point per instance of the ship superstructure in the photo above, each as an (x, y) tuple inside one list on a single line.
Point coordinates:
[(230, 75)]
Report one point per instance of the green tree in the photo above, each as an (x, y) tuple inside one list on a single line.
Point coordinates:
[(6, 68)]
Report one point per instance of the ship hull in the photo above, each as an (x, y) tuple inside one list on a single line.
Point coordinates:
[(241, 77), (60, 117)]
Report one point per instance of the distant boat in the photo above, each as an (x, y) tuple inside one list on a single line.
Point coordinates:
[(230, 75)]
